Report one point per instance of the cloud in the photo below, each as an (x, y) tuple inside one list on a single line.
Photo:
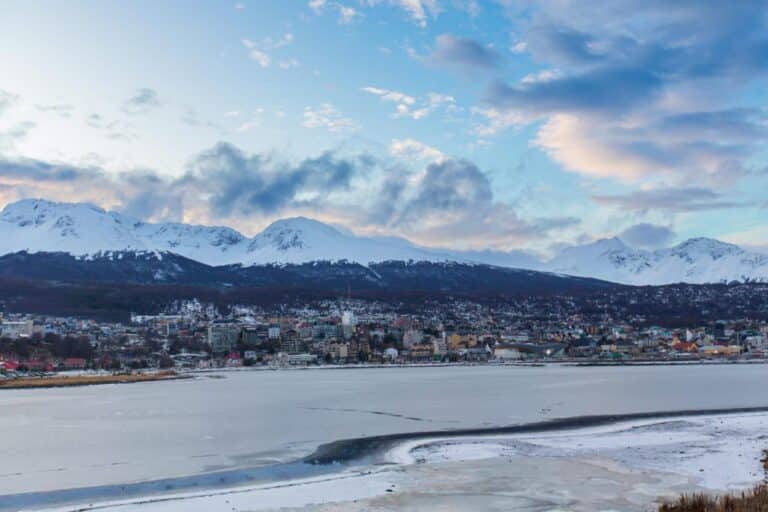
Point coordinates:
[(393, 96), (115, 129), (142, 101), (603, 91), (454, 199), (561, 44), (144, 194), (326, 116), (411, 149), (495, 120), (739, 125), (316, 5), (11, 136), (61, 110), (222, 181), (29, 169), (258, 51), (244, 184), (6, 100), (288, 64), (684, 199), (642, 88), (256, 54), (432, 200), (409, 106), (463, 54), (685, 148), (647, 236), (418, 10), (346, 14), (449, 186)]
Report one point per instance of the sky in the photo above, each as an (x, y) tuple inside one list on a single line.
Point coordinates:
[(469, 124)]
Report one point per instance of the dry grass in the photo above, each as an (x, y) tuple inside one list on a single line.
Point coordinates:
[(84, 380), (755, 500)]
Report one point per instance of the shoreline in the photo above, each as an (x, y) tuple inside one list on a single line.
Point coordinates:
[(62, 380), (500, 364), (65, 381), (353, 449), (346, 456)]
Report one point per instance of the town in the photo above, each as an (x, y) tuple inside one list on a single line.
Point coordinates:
[(193, 335)]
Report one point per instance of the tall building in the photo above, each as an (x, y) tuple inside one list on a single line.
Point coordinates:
[(222, 336)]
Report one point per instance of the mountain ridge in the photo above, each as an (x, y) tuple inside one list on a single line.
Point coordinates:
[(87, 232)]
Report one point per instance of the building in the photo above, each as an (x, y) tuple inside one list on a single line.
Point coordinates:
[(223, 336), (520, 351), (339, 351), (422, 351), (254, 335), (439, 347), (412, 337), (17, 329)]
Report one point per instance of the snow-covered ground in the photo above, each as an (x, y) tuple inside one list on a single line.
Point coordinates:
[(339, 488), (626, 466), (714, 452)]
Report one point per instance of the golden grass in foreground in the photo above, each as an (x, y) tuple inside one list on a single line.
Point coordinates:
[(755, 500), (56, 381)]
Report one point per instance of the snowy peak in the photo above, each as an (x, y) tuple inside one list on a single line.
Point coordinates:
[(296, 233), (705, 247), (37, 225), (89, 232), (300, 240), (81, 229), (84, 230), (697, 260)]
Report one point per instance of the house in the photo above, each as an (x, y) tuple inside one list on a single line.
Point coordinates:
[(300, 359), (582, 347), (720, 350), (233, 360), (73, 363), (390, 354), (422, 351), (475, 353), (10, 365), (339, 351), (684, 346), (626, 347)]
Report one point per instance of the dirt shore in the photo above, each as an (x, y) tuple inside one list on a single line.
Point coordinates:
[(57, 381)]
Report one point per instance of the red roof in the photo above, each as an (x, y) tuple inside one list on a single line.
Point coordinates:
[(9, 365)]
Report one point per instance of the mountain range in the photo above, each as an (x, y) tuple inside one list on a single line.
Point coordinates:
[(88, 233)]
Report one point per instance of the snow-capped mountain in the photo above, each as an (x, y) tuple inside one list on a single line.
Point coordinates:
[(87, 231), (80, 229), (697, 260), (299, 240)]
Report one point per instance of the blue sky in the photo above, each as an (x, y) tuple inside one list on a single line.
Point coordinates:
[(473, 124)]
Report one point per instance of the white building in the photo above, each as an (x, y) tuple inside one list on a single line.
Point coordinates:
[(17, 328)]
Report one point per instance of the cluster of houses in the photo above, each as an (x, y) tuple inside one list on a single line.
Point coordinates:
[(193, 335)]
